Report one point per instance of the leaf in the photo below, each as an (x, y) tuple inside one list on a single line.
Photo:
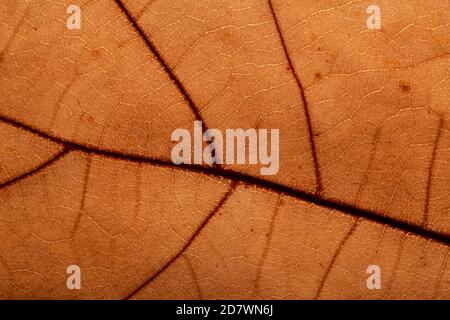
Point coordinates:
[(85, 171)]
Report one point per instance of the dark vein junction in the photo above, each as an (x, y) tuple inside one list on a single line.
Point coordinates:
[(162, 62), (43, 165), (190, 240), (305, 103), (250, 180)]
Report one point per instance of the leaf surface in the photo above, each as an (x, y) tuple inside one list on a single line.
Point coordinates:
[(86, 176)]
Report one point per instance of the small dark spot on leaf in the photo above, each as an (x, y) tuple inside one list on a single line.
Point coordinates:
[(318, 76), (267, 235), (405, 87), (229, 35), (96, 52)]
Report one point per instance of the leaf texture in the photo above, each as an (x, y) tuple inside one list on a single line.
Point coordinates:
[(86, 176)]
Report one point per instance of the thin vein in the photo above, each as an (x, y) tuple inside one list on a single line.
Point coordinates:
[(14, 34), (396, 265), (305, 103), (439, 277), (269, 239), (430, 173), (35, 170), (194, 276), (335, 256), (190, 240), (83, 197), (144, 10)]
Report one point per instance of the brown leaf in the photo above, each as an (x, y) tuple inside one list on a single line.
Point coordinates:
[(86, 176)]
